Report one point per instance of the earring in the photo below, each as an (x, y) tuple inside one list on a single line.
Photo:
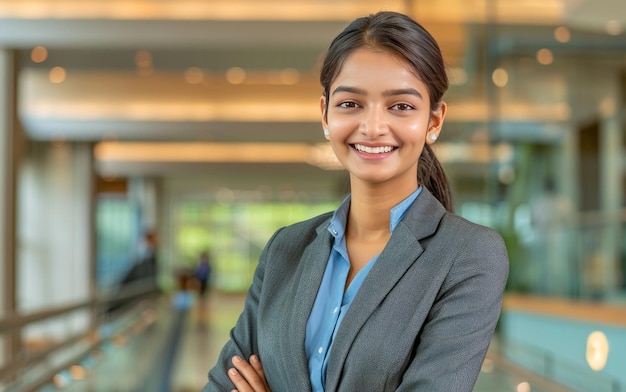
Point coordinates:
[(432, 137), (326, 132)]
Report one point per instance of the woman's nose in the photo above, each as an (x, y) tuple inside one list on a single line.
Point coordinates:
[(373, 123)]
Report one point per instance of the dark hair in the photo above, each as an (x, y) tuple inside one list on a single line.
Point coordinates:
[(402, 36)]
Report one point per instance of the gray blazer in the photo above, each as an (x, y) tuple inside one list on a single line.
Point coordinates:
[(422, 320)]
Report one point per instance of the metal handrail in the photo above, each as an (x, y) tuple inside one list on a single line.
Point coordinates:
[(19, 363), (139, 289), (17, 321)]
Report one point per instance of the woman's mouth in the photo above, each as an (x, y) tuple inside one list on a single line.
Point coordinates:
[(373, 150)]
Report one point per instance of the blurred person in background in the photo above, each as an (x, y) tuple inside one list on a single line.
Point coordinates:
[(392, 291), (203, 273)]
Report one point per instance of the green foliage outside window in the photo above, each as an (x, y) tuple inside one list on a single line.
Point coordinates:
[(234, 234)]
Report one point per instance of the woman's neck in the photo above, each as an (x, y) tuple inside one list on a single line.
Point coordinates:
[(370, 207)]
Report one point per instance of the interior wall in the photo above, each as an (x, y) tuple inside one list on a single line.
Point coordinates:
[(53, 222)]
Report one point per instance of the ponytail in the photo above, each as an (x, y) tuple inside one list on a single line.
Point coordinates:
[(431, 175)]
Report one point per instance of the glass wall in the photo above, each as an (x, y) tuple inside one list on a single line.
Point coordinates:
[(558, 98)]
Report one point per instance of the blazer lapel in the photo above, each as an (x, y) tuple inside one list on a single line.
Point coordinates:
[(312, 265), (401, 252)]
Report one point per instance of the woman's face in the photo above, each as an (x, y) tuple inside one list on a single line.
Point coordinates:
[(379, 117)]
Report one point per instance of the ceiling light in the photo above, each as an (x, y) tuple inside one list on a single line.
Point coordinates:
[(143, 59), (194, 75), (289, 76), (544, 56), (235, 75), (562, 34), (57, 75), (614, 27), (39, 54), (500, 77)]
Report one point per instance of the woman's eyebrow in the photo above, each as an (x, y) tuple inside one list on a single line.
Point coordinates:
[(347, 89), (388, 93), (403, 91)]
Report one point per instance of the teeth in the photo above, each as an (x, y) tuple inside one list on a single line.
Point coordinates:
[(373, 150)]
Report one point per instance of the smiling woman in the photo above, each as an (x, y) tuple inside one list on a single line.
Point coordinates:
[(391, 291), (390, 111)]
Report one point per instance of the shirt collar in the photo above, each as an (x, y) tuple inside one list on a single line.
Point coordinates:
[(337, 225)]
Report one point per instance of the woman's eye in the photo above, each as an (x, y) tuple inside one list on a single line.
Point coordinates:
[(348, 104), (402, 106)]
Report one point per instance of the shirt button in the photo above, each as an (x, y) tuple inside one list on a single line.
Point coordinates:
[(334, 232), (335, 310), (320, 350)]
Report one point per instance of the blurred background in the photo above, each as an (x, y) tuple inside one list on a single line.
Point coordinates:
[(136, 135)]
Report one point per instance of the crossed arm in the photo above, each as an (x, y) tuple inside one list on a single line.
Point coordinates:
[(248, 376)]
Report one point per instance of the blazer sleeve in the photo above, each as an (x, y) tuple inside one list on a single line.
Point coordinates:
[(454, 340), (243, 337)]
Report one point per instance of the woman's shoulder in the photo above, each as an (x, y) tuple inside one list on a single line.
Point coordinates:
[(471, 236), (294, 238), (308, 226), (463, 225)]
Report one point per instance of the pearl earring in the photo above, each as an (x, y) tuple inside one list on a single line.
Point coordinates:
[(432, 137), (326, 132)]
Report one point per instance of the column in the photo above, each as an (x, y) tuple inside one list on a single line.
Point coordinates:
[(611, 141), (568, 164), (10, 151)]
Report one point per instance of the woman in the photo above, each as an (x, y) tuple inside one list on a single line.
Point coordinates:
[(392, 291)]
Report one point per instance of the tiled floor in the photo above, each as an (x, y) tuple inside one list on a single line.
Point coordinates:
[(206, 331)]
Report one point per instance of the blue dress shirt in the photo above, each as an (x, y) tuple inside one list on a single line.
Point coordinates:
[(332, 302)]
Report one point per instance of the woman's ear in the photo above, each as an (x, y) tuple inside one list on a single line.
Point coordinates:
[(435, 124), (324, 115)]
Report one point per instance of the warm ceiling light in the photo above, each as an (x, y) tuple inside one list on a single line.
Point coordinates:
[(143, 59), (614, 27), (39, 54), (562, 34), (289, 76), (500, 77), (192, 9), (235, 75), (194, 75), (544, 56), (57, 75), (319, 155)]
